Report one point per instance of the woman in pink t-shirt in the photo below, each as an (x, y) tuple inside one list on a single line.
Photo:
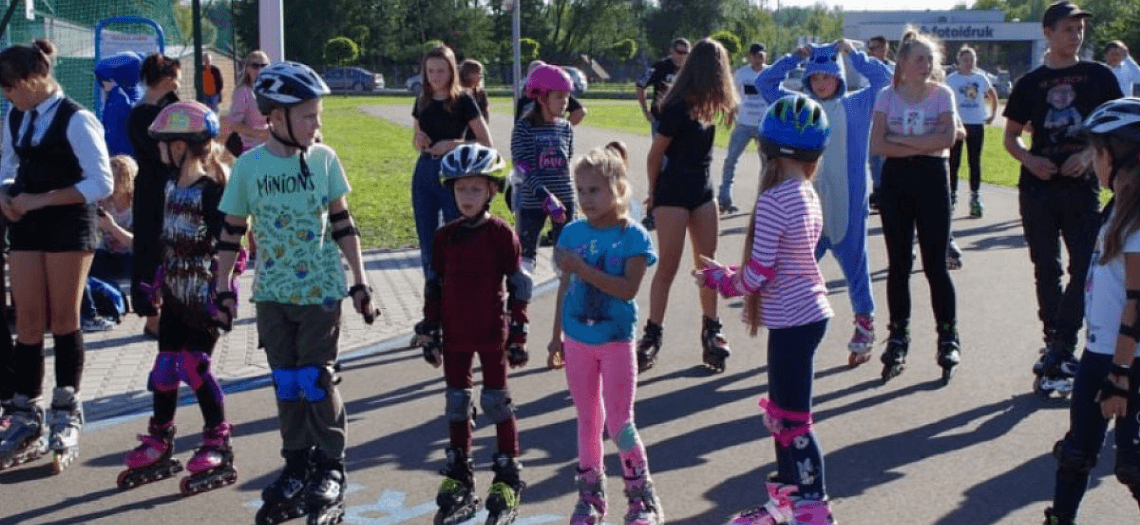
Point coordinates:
[(914, 127), (244, 118)]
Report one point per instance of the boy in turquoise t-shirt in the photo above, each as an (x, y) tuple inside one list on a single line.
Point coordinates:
[(295, 190)]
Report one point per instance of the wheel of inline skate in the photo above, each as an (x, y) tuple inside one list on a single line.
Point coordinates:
[(855, 359), (947, 373), (124, 481), (186, 488)]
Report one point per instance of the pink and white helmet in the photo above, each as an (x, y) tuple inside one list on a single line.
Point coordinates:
[(547, 78)]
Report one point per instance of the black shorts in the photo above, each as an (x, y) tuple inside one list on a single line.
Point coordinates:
[(682, 190), (55, 229)]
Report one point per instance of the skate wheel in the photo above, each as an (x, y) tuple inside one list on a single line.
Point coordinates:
[(855, 359), (124, 481), (947, 373), (186, 488)]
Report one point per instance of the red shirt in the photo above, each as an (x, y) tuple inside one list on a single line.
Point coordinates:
[(473, 264)]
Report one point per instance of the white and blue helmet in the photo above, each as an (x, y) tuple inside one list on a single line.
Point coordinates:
[(286, 84)]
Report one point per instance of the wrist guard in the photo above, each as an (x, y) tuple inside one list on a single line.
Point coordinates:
[(367, 311), (722, 279), (1108, 389), (517, 355), (433, 347), (221, 306), (554, 208)]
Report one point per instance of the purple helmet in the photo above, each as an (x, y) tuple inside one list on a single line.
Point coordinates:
[(547, 78)]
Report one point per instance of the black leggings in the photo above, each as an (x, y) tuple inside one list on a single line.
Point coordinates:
[(915, 195), (975, 137)]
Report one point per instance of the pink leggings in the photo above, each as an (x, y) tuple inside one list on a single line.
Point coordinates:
[(603, 381)]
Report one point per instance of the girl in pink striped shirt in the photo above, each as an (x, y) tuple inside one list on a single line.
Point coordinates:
[(786, 293)]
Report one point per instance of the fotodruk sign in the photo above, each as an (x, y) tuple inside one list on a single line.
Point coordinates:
[(960, 31)]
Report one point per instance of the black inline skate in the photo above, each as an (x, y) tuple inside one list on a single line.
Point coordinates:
[(456, 498), (506, 490), (714, 345), (648, 346), (212, 465), (153, 460), (1055, 369), (325, 493), (284, 498), (949, 350), (25, 439), (1052, 518), (894, 357)]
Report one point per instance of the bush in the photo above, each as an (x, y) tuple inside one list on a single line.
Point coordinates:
[(528, 49), (341, 51), (729, 40), (624, 51)]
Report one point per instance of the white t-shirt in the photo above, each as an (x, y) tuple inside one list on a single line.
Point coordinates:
[(970, 95), (1128, 75), (752, 104), (1105, 297)]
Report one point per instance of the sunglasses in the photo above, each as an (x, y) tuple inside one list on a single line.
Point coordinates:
[(681, 51), (257, 65)]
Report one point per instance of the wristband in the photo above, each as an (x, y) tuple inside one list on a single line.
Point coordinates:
[(1121, 370)]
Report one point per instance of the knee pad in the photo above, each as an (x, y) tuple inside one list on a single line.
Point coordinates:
[(497, 405), (786, 426), (459, 405), (1127, 470), (194, 368), (315, 382), (1072, 463), (286, 385), (164, 374)]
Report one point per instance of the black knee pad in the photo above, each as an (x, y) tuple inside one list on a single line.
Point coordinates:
[(1127, 470), (1072, 463)]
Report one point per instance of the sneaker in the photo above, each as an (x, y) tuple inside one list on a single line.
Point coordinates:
[(726, 207), (96, 324)]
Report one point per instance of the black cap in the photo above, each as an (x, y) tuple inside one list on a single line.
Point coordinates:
[(1061, 10), (757, 47)]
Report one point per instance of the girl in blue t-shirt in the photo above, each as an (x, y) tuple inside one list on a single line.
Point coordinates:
[(603, 260)]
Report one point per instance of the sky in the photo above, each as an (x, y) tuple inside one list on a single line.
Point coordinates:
[(877, 5)]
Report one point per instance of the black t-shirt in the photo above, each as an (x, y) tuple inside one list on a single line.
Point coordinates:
[(1056, 102), (524, 103), (659, 76), (440, 124), (690, 152)]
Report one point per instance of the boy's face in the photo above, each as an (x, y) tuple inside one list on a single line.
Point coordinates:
[(1066, 36), (824, 86), (472, 194), (305, 119)]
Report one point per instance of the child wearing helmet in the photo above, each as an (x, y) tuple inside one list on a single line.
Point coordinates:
[(842, 183), (575, 111), (472, 258), (542, 144), (603, 260), (185, 132), (1107, 380), (787, 294), (915, 124), (295, 189)]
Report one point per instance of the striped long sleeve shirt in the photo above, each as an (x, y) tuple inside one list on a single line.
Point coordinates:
[(782, 268)]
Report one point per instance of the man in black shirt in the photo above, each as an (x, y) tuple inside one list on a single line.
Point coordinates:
[(660, 76), (1058, 190)]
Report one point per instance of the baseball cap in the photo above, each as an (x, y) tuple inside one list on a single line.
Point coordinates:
[(1061, 10), (757, 47)]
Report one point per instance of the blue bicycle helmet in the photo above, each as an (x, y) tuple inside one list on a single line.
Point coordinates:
[(794, 126), (473, 160), (286, 84)]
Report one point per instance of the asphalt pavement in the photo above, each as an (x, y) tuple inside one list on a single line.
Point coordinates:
[(909, 452)]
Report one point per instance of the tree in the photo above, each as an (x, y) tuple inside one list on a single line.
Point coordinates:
[(184, 17), (624, 50), (341, 51), (729, 40), (528, 49)]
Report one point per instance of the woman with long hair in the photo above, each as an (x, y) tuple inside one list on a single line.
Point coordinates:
[(244, 118), (681, 190)]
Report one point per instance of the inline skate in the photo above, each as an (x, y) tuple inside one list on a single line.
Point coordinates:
[(977, 209), (506, 490), (153, 460), (1051, 518), (1055, 369), (861, 341), (25, 439), (5, 419), (812, 512), (949, 350), (284, 498), (644, 506), (778, 508), (591, 506), (325, 494), (894, 357), (456, 498), (65, 420), (648, 346), (953, 255), (212, 465), (716, 350)]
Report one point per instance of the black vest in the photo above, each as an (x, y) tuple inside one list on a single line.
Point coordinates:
[(51, 164)]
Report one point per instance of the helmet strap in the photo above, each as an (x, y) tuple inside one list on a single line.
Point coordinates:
[(292, 141)]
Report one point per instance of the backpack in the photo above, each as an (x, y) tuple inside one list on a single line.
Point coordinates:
[(108, 299)]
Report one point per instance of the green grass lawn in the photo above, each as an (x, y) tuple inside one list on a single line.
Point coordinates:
[(379, 159)]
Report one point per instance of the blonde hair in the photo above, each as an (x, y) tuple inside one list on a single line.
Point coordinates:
[(124, 169), (772, 175), (705, 83), (911, 39), (611, 162), (454, 87), (243, 78)]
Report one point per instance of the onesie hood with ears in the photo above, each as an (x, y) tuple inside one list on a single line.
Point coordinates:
[(123, 68), (825, 59)]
